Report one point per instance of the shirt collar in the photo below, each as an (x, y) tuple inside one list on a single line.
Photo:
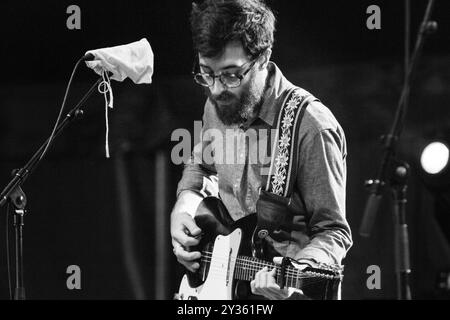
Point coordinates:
[(277, 84)]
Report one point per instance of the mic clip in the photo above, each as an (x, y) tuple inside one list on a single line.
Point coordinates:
[(87, 57)]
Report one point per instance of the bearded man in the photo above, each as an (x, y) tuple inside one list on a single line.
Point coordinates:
[(245, 92)]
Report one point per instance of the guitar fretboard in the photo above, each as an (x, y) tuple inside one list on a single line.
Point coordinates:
[(247, 267)]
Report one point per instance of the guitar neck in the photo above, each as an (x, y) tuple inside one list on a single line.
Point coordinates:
[(247, 267)]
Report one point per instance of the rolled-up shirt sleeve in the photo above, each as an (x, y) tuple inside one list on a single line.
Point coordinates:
[(322, 184), (199, 173)]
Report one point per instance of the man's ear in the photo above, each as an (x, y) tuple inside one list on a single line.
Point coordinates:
[(265, 58)]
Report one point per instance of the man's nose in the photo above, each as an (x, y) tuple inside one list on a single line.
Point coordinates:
[(217, 88)]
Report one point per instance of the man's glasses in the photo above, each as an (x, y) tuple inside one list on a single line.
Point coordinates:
[(229, 80)]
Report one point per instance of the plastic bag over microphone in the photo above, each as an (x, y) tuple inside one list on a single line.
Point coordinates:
[(133, 60)]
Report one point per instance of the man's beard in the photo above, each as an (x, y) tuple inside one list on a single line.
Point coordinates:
[(233, 110)]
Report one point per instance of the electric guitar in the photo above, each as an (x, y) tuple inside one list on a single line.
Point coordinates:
[(231, 258)]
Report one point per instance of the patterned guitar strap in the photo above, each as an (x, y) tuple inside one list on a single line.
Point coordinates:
[(272, 205)]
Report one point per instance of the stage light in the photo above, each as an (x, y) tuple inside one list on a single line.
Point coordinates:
[(435, 157)]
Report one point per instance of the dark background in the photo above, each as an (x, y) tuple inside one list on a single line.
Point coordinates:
[(110, 216)]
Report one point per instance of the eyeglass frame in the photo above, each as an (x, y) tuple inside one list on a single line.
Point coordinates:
[(240, 75)]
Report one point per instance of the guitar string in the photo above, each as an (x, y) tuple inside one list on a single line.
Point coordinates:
[(256, 266), (290, 270), (261, 261), (296, 281), (305, 281), (294, 274), (292, 278)]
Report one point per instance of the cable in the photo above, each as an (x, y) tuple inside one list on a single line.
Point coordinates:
[(62, 107), (52, 135)]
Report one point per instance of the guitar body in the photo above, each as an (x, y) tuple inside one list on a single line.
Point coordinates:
[(226, 238), (223, 243), (219, 283)]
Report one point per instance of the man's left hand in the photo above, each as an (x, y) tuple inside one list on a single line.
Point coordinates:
[(264, 284)]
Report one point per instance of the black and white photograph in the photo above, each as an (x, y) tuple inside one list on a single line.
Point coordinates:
[(252, 152)]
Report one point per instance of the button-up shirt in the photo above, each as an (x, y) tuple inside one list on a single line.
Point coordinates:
[(233, 161)]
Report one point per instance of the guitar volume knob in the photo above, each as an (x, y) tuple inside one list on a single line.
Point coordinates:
[(263, 233)]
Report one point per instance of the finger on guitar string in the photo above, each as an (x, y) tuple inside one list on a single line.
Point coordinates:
[(186, 255), (264, 278), (184, 230), (273, 289), (269, 279), (189, 259), (274, 292), (191, 227), (259, 280), (265, 285), (185, 239), (277, 260)]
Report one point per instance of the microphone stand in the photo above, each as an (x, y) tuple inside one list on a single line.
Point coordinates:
[(15, 195), (394, 173)]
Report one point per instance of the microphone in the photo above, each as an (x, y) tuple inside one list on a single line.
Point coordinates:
[(87, 56), (133, 60), (370, 211)]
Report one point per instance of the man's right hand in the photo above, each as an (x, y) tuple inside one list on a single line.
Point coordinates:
[(185, 233)]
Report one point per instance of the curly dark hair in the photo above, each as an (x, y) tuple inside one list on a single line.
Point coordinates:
[(214, 23)]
